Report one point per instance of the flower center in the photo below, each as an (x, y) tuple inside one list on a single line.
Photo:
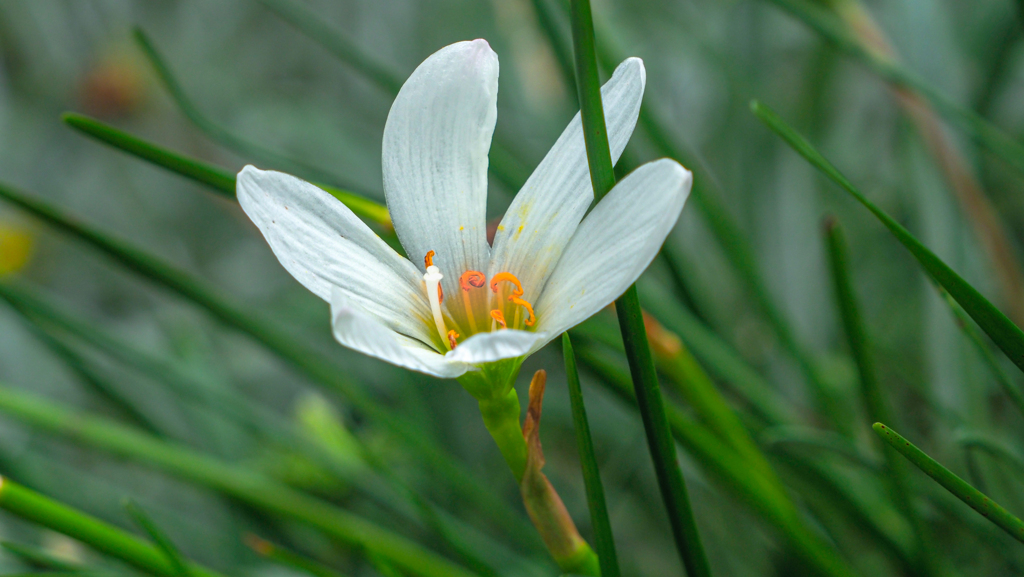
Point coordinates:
[(475, 304)]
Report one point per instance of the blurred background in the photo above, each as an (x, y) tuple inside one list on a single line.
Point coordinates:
[(267, 87)]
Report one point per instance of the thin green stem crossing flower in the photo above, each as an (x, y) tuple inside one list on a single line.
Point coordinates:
[(462, 307)]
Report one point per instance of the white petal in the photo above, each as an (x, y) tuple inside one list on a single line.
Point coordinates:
[(357, 330), (324, 245), (547, 210), (435, 158), (496, 345), (614, 244)]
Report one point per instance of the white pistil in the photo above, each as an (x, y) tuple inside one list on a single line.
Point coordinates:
[(433, 280)]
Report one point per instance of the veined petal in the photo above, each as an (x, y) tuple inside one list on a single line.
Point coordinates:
[(614, 244), (324, 245), (546, 212), (358, 330), (435, 158), (495, 346)]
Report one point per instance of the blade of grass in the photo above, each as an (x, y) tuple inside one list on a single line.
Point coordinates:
[(722, 461), (159, 538), (233, 480), (874, 402), (631, 322), (214, 177), (823, 440), (999, 328), (102, 537), (220, 135), (604, 540), (1011, 389), (282, 343), (984, 133), (955, 485), (288, 558), (503, 164)]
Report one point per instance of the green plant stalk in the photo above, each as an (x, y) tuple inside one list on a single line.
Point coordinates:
[(214, 177), (501, 417), (233, 480), (955, 485), (288, 558), (102, 537), (981, 131), (503, 164), (987, 356), (722, 461), (178, 562), (219, 134), (874, 402), (277, 340), (604, 540), (999, 328), (631, 323)]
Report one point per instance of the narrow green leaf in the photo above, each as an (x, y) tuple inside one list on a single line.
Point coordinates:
[(955, 485), (792, 436), (233, 480), (731, 470), (631, 323), (102, 537), (289, 558), (874, 402), (220, 135), (983, 132), (999, 328), (178, 563), (216, 178), (279, 341), (604, 540), (1011, 389)]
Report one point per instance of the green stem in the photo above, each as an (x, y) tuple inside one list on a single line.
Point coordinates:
[(955, 485), (631, 323), (236, 481), (105, 538), (501, 417), (604, 540)]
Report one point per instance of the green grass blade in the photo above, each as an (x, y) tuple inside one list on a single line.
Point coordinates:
[(159, 538), (217, 133), (1011, 389), (604, 540), (282, 343), (288, 558), (233, 480), (214, 177), (875, 405), (996, 325), (955, 485), (789, 436), (983, 132), (102, 537), (634, 336), (721, 461)]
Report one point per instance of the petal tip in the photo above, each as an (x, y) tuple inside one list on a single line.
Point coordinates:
[(633, 65)]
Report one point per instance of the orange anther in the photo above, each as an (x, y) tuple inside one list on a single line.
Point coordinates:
[(529, 308), (507, 277), (499, 318), (472, 279), (429, 259), (452, 335), (440, 293)]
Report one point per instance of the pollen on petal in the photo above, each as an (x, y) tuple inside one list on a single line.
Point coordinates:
[(472, 279)]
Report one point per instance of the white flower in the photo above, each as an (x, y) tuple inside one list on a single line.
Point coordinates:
[(445, 312)]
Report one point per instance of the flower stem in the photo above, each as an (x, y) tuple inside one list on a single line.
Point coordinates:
[(501, 417)]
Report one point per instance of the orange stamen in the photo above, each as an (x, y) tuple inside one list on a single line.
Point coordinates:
[(529, 308), (472, 279), (429, 259), (452, 335), (499, 318), (440, 293), (507, 277)]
